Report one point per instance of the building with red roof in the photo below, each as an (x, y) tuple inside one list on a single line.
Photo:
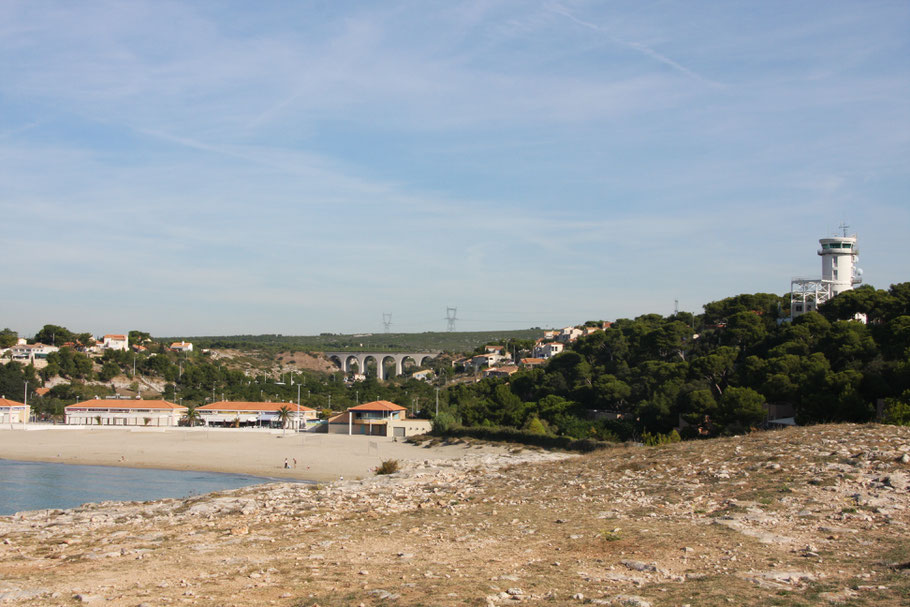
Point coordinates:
[(13, 412), (377, 418), (123, 412), (241, 413)]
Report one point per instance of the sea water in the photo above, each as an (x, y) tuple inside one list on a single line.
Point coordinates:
[(40, 485)]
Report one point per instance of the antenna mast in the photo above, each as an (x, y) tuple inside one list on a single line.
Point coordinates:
[(387, 320)]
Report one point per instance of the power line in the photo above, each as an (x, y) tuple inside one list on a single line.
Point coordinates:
[(451, 317)]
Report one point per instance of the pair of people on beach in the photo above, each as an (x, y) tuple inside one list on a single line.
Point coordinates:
[(287, 465)]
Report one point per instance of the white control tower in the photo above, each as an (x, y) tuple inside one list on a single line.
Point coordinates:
[(839, 274), (839, 269)]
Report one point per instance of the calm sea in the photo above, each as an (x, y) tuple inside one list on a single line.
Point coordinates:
[(38, 485)]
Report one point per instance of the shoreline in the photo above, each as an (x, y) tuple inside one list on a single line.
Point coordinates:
[(319, 457)]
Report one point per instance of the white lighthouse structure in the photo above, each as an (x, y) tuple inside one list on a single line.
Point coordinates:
[(839, 274)]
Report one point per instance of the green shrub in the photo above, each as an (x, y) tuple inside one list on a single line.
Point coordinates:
[(897, 410), (444, 422), (535, 426), (524, 437)]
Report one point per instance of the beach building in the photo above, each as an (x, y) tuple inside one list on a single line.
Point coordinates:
[(378, 418), (12, 412), (239, 413), (114, 412)]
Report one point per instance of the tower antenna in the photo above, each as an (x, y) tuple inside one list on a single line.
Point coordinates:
[(676, 307), (451, 317), (386, 320)]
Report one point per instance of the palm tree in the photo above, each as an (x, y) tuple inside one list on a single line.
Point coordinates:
[(192, 416), (284, 414)]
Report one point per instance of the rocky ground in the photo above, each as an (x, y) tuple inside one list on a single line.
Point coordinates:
[(803, 516)]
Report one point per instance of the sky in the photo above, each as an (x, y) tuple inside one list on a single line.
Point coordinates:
[(219, 168)]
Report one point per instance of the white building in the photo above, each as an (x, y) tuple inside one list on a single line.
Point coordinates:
[(569, 334), (29, 353), (237, 413), (839, 274), (115, 342), (548, 350), (114, 412), (182, 346), (12, 412)]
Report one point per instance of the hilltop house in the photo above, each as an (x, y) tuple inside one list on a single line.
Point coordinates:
[(115, 342), (182, 346), (547, 350)]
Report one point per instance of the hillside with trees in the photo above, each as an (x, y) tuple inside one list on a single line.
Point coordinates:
[(709, 374)]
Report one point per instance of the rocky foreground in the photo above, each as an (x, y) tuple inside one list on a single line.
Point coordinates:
[(803, 516)]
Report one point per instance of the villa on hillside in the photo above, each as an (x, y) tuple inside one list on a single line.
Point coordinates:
[(506, 371), (114, 412), (238, 413), (115, 342), (12, 412), (547, 350), (182, 346), (378, 418)]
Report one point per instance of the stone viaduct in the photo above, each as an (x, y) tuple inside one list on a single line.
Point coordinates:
[(345, 360)]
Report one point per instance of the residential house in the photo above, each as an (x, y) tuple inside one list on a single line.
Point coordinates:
[(377, 418), (423, 374), (12, 412), (121, 412), (506, 371), (182, 346), (115, 342), (239, 413), (548, 349), (569, 334), (32, 354), (532, 362)]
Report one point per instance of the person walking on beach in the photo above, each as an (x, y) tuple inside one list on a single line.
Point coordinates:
[(295, 462), (286, 463)]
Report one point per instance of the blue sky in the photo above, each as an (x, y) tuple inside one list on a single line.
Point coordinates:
[(192, 168)]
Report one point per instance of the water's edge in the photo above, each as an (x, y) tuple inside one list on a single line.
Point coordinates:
[(28, 485)]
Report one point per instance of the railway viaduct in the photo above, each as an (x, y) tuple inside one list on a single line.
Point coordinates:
[(346, 359)]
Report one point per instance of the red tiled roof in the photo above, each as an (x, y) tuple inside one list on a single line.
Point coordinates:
[(5, 402), (42, 391), (378, 405), (113, 403), (120, 337), (228, 405)]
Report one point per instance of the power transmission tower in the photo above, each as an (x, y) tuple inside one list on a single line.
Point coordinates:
[(451, 317), (387, 320)]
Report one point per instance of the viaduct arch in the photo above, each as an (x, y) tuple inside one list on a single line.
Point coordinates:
[(344, 360)]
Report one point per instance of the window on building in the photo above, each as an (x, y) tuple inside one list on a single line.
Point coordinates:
[(799, 307)]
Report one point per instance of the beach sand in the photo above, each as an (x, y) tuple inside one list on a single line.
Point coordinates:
[(320, 457)]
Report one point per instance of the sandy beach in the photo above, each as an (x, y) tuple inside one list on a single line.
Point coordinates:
[(320, 457)]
